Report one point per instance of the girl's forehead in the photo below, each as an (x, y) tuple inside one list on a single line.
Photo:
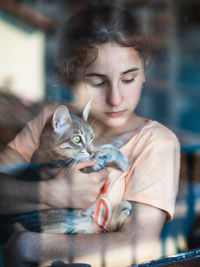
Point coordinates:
[(114, 57)]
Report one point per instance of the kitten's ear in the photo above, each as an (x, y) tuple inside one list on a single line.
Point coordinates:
[(61, 119), (86, 110)]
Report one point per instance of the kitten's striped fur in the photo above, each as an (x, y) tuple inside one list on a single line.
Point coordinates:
[(65, 138)]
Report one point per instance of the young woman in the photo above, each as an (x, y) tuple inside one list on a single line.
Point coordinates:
[(103, 55)]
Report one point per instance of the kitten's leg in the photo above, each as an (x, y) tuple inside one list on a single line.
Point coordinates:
[(117, 143), (108, 153), (121, 161), (69, 221), (76, 222), (120, 214)]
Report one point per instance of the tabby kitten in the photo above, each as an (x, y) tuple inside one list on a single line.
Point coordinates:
[(66, 139)]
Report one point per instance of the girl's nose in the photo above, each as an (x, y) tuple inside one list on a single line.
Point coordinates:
[(114, 96)]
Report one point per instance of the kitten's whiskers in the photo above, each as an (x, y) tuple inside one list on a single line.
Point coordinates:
[(71, 165)]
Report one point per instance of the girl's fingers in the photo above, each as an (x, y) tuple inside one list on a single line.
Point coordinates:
[(83, 164)]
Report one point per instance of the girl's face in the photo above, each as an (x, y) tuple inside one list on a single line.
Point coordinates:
[(114, 82)]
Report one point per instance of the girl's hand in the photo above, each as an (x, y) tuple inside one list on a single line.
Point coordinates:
[(75, 189)]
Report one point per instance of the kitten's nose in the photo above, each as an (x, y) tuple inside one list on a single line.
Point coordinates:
[(90, 150)]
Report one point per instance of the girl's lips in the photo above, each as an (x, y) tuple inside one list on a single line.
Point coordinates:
[(116, 114)]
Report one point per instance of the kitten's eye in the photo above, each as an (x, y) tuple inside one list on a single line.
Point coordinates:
[(92, 136), (76, 139)]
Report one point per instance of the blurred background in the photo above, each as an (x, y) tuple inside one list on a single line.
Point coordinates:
[(29, 38)]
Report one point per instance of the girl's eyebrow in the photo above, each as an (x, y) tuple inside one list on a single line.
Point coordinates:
[(130, 70), (92, 74), (95, 74)]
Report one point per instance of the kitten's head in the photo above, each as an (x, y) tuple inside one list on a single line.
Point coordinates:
[(68, 136)]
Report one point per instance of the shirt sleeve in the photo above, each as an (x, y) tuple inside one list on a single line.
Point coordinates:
[(27, 141), (154, 175)]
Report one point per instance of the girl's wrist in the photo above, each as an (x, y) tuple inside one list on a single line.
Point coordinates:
[(53, 194), (45, 196)]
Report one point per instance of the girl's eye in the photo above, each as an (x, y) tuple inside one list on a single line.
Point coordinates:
[(128, 80), (95, 82), (76, 139), (99, 84)]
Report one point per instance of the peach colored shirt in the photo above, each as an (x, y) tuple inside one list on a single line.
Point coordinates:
[(152, 177)]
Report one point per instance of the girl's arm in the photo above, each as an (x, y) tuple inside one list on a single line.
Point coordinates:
[(134, 243), (21, 197), (17, 197)]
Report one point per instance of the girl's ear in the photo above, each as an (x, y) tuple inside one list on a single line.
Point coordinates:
[(146, 62), (61, 119), (86, 110)]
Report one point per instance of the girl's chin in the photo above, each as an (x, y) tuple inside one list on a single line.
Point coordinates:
[(114, 122)]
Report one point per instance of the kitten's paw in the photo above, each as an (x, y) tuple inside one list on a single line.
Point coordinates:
[(102, 158), (120, 214), (124, 208), (97, 167)]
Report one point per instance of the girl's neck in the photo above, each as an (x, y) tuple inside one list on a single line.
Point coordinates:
[(104, 134)]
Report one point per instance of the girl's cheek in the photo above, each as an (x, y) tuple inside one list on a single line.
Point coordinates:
[(98, 95)]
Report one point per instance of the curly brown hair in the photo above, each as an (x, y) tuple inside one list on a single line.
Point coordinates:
[(94, 25)]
